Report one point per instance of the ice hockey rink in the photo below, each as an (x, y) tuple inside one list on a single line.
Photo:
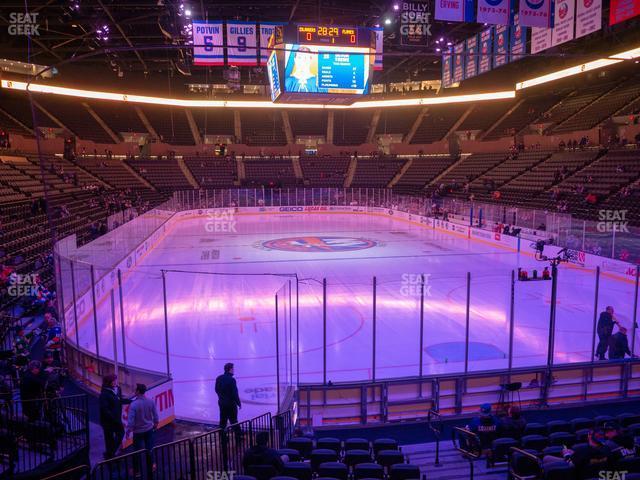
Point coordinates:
[(223, 273)]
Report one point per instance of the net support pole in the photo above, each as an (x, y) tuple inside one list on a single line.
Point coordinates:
[(374, 317), (635, 312), (166, 321), (297, 331), (512, 303), (75, 309), (421, 354), (467, 322), (124, 345), (95, 313), (595, 314), (113, 330), (277, 360), (324, 331), (552, 313)]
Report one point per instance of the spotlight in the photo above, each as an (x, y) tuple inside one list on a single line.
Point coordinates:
[(387, 21), (437, 49), (449, 44), (187, 12), (396, 7)]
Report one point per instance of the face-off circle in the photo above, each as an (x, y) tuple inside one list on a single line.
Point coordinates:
[(319, 244)]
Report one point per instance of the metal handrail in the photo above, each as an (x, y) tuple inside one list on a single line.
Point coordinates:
[(436, 428)]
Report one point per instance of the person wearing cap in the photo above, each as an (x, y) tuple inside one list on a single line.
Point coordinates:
[(619, 344), (619, 442), (142, 419), (485, 426), (584, 456), (228, 398)]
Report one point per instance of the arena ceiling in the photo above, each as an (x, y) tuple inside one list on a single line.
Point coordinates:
[(106, 41)]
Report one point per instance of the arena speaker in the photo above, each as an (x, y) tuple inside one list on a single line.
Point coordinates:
[(454, 146)]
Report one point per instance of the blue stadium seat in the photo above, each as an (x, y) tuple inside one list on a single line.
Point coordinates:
[(500, 449), (262, 472), (581, 423), (303, 445), (386, 458), (368, 470), (562, 438), (600, 420), (354, 457), (628, 464), (322, 455), (356, 444), (404, 471), (558, 426), (298, 470), (581, 435), (293, 454), (329, 443), (522, 467), (334, 469), (559, 471), (534, 429), (626, 419), (384, 444), (555, 451), (534, 442)]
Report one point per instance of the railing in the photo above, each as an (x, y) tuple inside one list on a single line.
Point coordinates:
[(131, 466), (239, 437), (282, 428), (80, 472), (44, 432), (468, 444), (524, 465), (458, 394), (434, 420)]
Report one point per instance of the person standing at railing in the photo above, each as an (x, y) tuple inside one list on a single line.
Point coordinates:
[(111, 403), (228, 398), (143, 419)]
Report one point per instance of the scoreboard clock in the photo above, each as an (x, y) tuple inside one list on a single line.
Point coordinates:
[(327, 35)]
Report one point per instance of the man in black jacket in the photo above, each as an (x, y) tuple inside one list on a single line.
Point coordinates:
[(604, 329), (32, 390), (111, 402), (619, 345), (228, 399)]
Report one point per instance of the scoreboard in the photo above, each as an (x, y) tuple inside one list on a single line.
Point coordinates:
[(316, 63)]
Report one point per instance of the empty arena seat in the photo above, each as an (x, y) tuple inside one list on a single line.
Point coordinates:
[(535, 429), (334, 470), (626, 419), (301, 444), (356, 444), (581, 423), (628, 464), (329, 443), (581, 435), (368, 470), (384, 444), (634, 429), (559, 471), (600, 420), (534, 442), (354, 457), (386, 458), (500, 449), (298, 470), (524, 467), (554, 451), (558, 426), (562, 438), (262, 472), (322, 455), (404, 471), (244, 477), (292, 453)]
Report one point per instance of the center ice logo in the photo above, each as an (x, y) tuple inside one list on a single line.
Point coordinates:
[(319, 244)]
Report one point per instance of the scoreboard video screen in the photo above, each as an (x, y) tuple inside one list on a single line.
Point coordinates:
[(321, 64)]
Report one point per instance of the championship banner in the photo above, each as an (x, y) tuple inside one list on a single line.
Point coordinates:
[(495, 12), (455, 10), (621, 10), (518, 40), (208, 41), (536, 13), (266, 29), (447, 68), (471, 64), (241, 43), (540, 39), (500, 45), (486, 51), (588, 17), (458, 62), (564, 22), (415, 23), (379, 32)]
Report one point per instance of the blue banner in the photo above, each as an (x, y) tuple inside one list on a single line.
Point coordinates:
[(471, 65), (485, 61), (500, 45), (518, 40)]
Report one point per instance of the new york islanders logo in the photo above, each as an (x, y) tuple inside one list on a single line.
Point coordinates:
[(319, 244)]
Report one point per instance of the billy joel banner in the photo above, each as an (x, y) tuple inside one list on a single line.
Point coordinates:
[(536, 13), (415, 23), (208, 39), (241, 43)]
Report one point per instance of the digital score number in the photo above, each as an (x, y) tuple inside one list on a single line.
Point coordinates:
[(321, 35)]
